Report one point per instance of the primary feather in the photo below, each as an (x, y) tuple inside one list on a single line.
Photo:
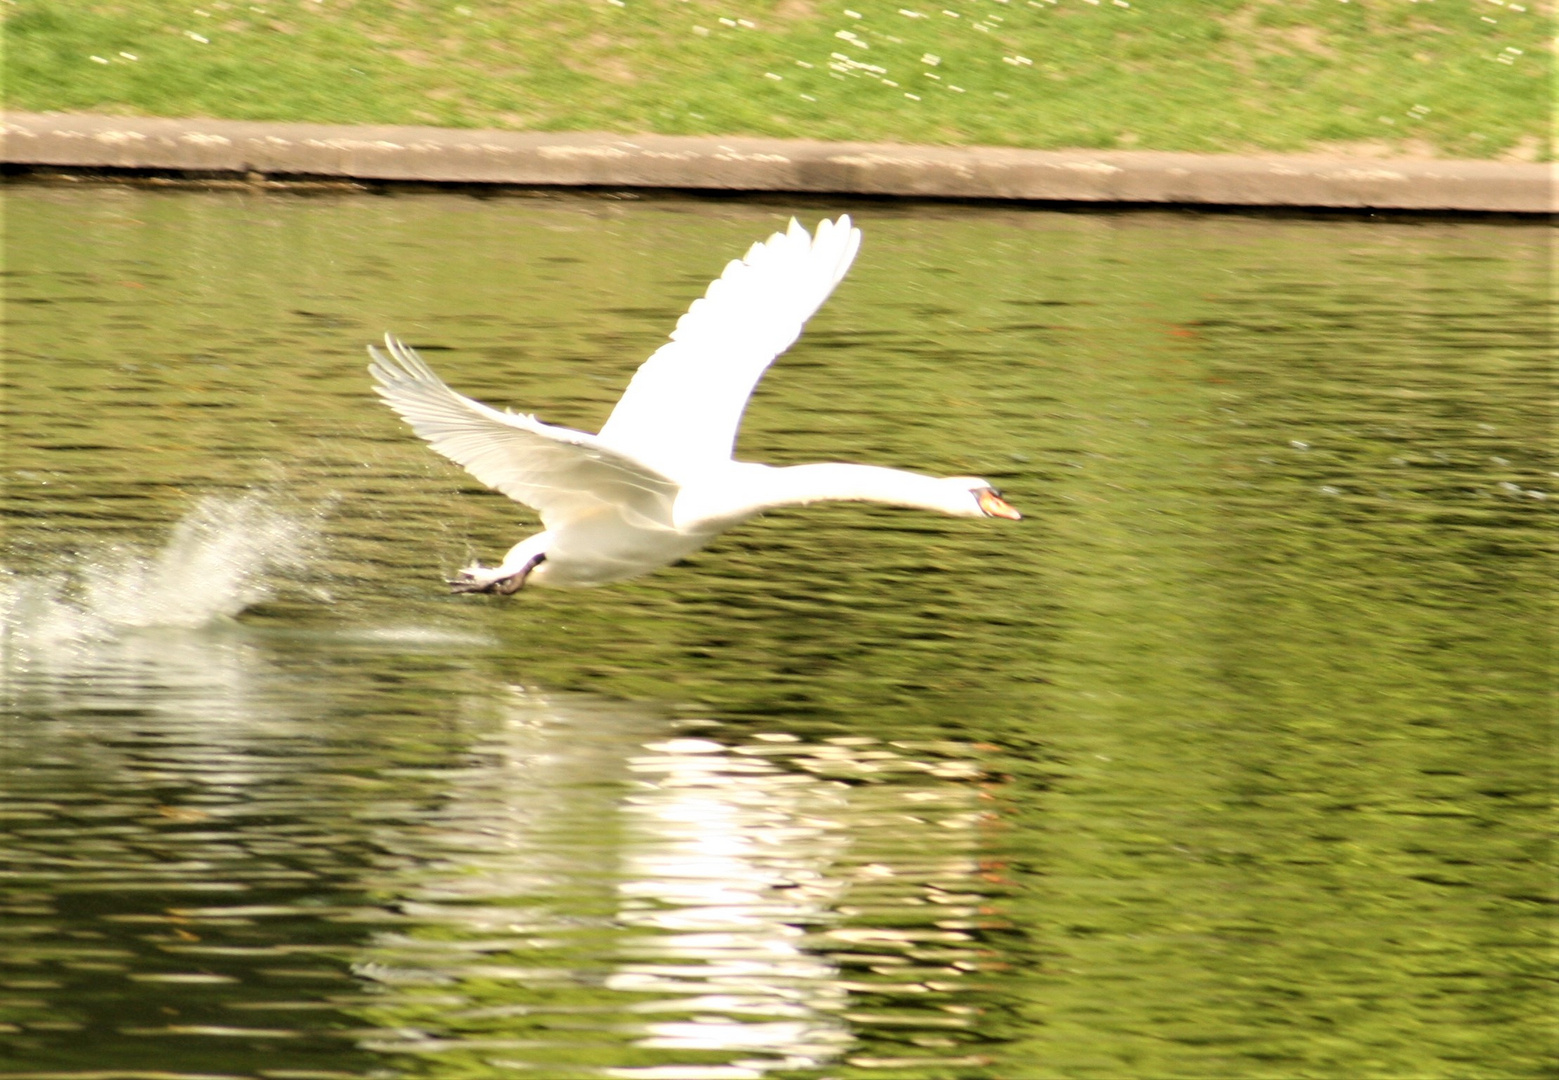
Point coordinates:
[(685, 403)]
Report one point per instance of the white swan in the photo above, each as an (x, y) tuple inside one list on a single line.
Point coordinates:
[(659, 481)]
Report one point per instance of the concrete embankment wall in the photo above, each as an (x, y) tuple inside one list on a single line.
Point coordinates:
[(395, 154)]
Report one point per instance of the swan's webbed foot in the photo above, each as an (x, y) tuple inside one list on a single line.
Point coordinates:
[(469, 582), (481, 579)]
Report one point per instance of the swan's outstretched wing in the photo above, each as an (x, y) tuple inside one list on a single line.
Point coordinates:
[(565, 475), (680, 413)]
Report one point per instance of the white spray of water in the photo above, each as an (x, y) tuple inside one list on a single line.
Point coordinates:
[(226, 554), (218, 560)]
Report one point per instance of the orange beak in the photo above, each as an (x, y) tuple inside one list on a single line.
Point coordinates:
[(995, 506)]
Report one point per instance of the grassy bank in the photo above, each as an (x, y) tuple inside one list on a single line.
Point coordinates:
[(1464, 78)]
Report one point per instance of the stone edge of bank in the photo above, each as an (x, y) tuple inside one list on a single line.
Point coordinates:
[(427, 155)]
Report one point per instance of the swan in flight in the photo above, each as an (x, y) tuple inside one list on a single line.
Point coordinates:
[(659, 481)]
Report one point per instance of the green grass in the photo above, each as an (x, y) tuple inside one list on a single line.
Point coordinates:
[(1466, 78)]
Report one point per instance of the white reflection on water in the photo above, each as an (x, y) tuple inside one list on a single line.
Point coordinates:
[(727, 860), (690, 905)]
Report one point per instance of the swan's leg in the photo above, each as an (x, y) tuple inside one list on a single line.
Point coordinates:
[(474, 580), (515, 582)]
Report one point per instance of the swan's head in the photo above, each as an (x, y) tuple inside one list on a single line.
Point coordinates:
[(977, 498)]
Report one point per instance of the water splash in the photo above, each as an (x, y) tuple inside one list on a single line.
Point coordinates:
[(226, 554), (220, 559)]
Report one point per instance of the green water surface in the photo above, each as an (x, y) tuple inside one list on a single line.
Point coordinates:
[(1232, 759)]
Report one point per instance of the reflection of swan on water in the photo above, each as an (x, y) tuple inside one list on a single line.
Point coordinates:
[(659, 482), (584, 833), (728, 872), (700, 909)]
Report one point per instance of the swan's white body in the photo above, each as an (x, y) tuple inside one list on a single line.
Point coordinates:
[(659, 481)]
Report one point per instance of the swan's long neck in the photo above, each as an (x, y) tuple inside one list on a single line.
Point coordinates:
[(752, 489)]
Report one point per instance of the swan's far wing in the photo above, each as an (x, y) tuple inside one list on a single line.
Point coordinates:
[(565, 475), (681, 411)]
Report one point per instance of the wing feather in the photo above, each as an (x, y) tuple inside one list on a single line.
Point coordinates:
[(681, 412), (563, 474)]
